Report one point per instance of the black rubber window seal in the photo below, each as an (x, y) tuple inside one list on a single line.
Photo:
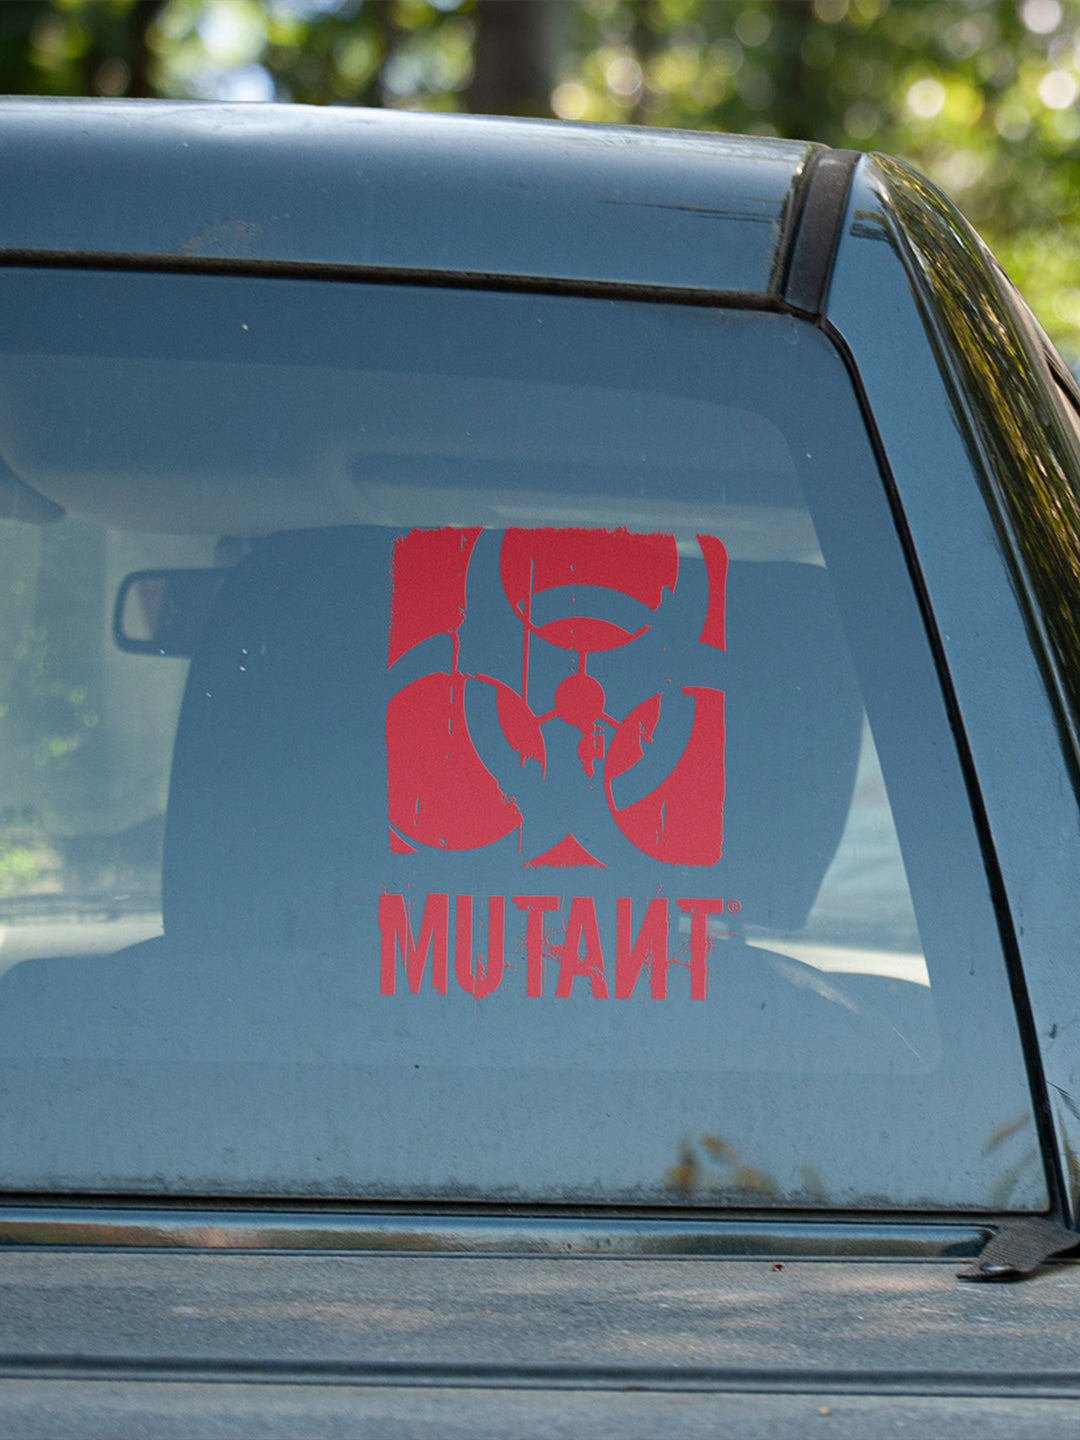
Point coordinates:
[(817, 229)]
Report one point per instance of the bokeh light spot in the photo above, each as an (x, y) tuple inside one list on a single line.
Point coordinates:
[(926, 98), (1041, 16), (1058, 89), (569, 100)]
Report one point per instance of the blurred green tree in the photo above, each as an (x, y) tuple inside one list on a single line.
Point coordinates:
[(982, 95)]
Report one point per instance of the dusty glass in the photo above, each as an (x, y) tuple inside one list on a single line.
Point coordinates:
[(542, 791)]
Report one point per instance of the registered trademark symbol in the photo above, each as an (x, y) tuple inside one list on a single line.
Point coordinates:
[(734, 906)]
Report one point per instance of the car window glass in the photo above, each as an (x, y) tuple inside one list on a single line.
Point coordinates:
[(473, 745)]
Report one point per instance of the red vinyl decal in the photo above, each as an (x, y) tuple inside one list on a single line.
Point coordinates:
[(429, 585), (566, 950), (443, 794)]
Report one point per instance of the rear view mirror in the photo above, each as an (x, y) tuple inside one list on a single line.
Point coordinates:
[(162, 612)]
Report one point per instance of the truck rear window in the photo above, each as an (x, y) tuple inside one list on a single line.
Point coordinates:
[(461, 745)]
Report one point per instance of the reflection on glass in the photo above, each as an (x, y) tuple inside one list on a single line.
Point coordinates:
[(474, 770)]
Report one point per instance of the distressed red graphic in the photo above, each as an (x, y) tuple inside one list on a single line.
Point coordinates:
[(577, 957), (441, 792)]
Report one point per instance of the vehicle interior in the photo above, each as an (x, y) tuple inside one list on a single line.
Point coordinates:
[(206, 481)]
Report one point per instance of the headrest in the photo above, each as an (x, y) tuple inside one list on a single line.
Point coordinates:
[(794, 725), (276, 833), (279, 756)]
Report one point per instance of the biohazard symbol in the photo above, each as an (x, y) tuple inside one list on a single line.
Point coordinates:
[(441, 792)]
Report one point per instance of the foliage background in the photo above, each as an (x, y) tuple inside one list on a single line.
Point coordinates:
[(982, 95)]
